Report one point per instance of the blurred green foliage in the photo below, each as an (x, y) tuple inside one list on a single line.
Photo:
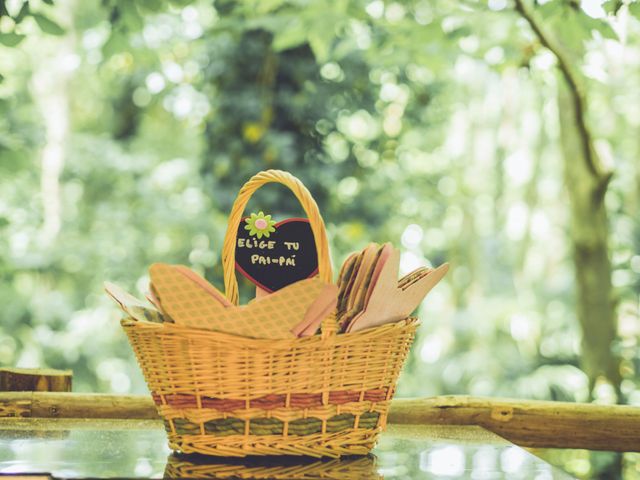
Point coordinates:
[(127, 127)]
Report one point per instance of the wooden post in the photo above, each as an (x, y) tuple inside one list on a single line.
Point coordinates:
[(35, 380)]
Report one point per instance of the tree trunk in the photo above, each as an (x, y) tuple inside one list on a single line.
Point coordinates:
[(589, 231), (50, 91)]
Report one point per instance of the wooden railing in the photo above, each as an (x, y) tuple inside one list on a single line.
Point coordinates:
[(530, 423), (527, 423)]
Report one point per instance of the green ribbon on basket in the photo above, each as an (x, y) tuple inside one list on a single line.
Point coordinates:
[(273, 426)]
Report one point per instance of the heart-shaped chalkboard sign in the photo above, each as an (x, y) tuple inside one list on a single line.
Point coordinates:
[(273, 255)]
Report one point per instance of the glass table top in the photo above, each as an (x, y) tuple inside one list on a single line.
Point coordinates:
[(138, 449)]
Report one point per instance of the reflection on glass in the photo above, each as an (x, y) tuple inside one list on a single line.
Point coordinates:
[(138, 449), (485, 459), (281, 468), (512, 459), (443, 461)]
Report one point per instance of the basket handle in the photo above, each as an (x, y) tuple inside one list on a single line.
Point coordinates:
[(235, 217)]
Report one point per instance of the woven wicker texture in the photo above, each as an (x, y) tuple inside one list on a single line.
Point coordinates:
[(348, 468), (210, 365), (227, 395)]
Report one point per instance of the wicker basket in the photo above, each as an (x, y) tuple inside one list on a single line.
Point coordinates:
[(220, 394), (265, 468)]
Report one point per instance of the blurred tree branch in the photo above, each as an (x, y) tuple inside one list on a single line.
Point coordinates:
[(577, 95)]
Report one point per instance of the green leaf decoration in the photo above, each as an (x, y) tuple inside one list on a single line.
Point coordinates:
[(47, 25), (634, 9), (11, 39), (260, 225)]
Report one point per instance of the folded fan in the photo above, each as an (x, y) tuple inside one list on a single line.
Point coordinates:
[(320, 309), (389, 302), (362, 275), (193, 302), (370, 293), (133, 307), (206, 286)]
